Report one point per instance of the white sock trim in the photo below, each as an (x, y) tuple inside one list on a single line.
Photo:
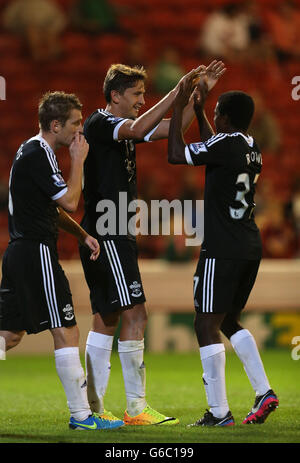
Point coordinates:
[(130, 346), (239, 335), (66, 351), (210, 350), (100, 340), (2, 348)]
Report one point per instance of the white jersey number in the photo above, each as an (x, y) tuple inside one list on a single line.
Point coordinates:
[(240, 196)]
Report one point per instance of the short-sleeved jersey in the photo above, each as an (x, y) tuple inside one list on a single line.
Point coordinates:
[(109, 174), (233, 163), (35, 183)]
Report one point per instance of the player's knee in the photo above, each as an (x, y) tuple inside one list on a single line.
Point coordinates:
[(230, 326), (134, 321), (202, 327), (203, 322), (13, 338), (141, 315), (207, 328), (65, 337), (106, 324)]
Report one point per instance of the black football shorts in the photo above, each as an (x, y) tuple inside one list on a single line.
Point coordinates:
[(223, 285), (114, 278), (35, 294)]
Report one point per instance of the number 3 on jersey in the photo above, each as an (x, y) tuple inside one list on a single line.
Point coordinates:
[(242, 179)]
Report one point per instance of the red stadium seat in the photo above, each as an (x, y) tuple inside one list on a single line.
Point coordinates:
[(110, 46), (10, 45), (13, 65), (76, 43), (65, 4)]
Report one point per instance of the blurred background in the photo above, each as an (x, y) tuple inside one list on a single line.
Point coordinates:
[(69, 44)]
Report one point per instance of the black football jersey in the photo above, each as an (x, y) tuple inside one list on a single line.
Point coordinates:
[(233, 164), (109, 177), (34, 185)]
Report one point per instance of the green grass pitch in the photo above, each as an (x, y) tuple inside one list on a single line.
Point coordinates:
[(33, 405)]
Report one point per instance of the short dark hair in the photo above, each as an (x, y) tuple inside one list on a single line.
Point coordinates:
[(56, 106), (120, 77), (238, 106)]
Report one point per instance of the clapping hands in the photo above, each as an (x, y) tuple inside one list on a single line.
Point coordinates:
[(199, 82)]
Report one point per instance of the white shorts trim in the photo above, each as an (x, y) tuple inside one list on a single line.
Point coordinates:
[(118, 273), (49, 286), (208, 285)]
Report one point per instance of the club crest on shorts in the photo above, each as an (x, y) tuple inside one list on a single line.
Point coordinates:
[(69, 312), (136, 289)]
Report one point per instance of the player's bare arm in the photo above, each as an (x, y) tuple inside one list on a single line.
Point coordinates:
[(200, 95), (139, 128), (205, 84), (163, 127), (176, 143), (66, 223), (78, 152)]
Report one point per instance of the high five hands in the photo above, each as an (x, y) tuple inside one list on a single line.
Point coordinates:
[(199, 82), (213, 73)]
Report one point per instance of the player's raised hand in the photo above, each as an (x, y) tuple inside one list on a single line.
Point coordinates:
[(194, 74), (213, 73), (94, 247), (79, 147), (185, 89)]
